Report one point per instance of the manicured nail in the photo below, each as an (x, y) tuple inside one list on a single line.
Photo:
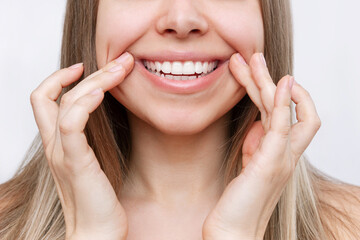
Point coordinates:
[(96, 91), (77, 65), (241, 59), (123, 58), (262, 58), (115, 68), (291, 82)]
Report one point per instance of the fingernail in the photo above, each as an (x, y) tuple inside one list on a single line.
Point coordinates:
[(96, 91), (291, 82), (115, 68), (77, 65), (240, 58), (262, 58), (123, 58)]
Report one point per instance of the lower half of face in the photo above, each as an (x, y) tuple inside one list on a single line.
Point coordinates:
[(178, 113), (147, 28)]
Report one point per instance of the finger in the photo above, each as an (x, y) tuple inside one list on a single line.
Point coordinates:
[(71, 129), (275, 141), (308, 120), (251, 142), (263, 81), (109, 77), (43, 99), (125, 59), (242, 74), (61, 168), (85, 185)]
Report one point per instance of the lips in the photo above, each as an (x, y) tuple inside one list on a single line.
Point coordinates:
[(189, 86)]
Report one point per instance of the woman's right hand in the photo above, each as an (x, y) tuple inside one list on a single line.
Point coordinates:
[(90, 205)]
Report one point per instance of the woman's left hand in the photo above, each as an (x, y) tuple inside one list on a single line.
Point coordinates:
[(270, 153)]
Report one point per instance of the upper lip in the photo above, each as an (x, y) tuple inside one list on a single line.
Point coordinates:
[(179, 56)]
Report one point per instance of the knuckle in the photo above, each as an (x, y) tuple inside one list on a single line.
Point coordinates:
[(317, 123), (108, 76), (35, 97), (314, 123), (82, 102), (65, 100), (66, 126), (283, 132)]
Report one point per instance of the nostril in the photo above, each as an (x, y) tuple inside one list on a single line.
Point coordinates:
[(173, 31), (169, 30)]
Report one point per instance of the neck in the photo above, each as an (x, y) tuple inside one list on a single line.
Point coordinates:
[(172, 169)]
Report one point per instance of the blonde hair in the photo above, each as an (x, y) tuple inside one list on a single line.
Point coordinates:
[(30, 207)]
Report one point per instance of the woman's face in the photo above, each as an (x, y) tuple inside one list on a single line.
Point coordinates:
[(182, 32)]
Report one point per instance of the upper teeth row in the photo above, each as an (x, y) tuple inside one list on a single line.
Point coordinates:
[(188, 67)]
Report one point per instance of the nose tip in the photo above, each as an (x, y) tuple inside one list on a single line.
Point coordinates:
[(181, 31), (182, 19)]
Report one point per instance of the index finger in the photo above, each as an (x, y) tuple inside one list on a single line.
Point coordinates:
[(123, 59), (43, 99), (308, 123)]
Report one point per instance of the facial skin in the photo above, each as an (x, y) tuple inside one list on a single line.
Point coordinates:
[(176, 138), (223, 28)]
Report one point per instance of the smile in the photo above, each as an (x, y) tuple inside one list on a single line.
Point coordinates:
[(182, 76), (187, 70)]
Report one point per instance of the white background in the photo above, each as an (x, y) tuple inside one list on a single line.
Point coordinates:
[(327, 48)]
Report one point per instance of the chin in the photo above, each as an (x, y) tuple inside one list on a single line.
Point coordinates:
[(181, 127), (173, 123)]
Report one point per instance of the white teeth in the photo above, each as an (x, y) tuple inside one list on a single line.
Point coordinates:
[(166, 67), (210, 67), (152, 66), (181, 69), (158, 66), (169, 76), (198, 67), (177, 68), (205, 67), (188, 68)]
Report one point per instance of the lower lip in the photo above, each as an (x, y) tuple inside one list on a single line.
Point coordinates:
[(183, 86)]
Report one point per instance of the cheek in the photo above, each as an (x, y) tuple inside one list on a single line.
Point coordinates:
[(240, 25), (119, 26)]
